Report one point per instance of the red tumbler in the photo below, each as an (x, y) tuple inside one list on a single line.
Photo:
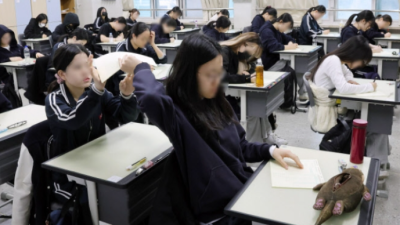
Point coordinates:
[(358, 141)]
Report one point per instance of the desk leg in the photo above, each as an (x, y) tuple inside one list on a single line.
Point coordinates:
[(14, 72), (326, 45), (243, 109), (380, 69), (292, 62), (364, 111), (32, 46), (92, 196), (389, 44)]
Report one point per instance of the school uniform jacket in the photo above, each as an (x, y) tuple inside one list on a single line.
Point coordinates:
[(257, 23), (213, 171), (272, 40), (178, 23), (34, 31), (70, 18), (98, 22), (374, 32), (309, 29), (214, 34), (130, 22), (161, 37), (348, 32), (231, 65), (16, 50)]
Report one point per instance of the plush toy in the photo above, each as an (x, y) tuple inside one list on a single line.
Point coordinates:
[(341, 194)]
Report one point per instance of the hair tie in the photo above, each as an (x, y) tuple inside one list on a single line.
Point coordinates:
[(59, 80)]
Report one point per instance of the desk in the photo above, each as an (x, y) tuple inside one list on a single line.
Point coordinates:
[(161, 72), (108, 46), (331, 41), (259, 101), (11, 140), (170, 49), (391, 42), (18, 70), (40, 44), (259, 201), (181, 34), (116, 196), (377, 110), (388, 64), (233, 33)]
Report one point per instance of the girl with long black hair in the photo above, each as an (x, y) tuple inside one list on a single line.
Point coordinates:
[(101, 18), (309, 28), (216, 30), (268, 14)]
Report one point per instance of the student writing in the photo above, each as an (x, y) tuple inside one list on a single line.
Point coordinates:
[(216, 30), (70, 23), (133, 15), (162, 31), (309, 28), (114, 29), (37, 27), (268, 14), (204, 131), (174, 13), (101, 18), (222, 12), (379, 28)]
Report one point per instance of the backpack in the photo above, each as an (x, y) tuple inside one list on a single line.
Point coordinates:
[(338, 138), (9, 92)]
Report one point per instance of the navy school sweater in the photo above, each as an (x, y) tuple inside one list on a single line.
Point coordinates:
[(16, 50), (272, 40), (161, 37), (214, 34), (34, 31), (348, 32), (213, 171), (178, 23), (309, 29), (257, 23), (374, 32)]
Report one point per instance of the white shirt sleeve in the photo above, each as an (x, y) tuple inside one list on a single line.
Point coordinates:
[(347, 73), (22, 188)]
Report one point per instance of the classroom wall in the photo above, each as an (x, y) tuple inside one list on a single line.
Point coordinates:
[(87, 9), (242, 20)]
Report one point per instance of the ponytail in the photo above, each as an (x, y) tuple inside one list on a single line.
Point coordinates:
[(54, 85), (366, 15), (350, 20), (319, 8)]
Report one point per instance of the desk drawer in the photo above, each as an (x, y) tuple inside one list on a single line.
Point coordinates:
[(261, 104), (306, 63)]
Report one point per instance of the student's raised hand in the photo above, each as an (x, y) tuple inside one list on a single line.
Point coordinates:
[(172, 40), (152, 37), (126, 85), (128, 63), (326, 31), (279, 154), (38, 55), (95, 75), (375, 85), (388, 34), (352, 82)]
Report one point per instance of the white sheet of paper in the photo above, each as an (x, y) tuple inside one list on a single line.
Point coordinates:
[(374, 94), (108, 65), (161, 71), (294, 177)]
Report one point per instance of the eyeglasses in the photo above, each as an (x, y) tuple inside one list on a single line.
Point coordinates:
[(217, 77), (15, 125)]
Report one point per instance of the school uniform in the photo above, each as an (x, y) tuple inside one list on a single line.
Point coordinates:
[(272, 40), (348, 32), (214, 169), (5, 104), (34, 31), (99, 21), (178, 23), (374, 32), (130, 22), (64, 28), (309, 29), (214, 34), (105, 30), (161, 37), (257, 22), (14, 50)]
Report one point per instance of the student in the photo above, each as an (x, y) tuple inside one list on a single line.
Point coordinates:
[(222, 12), (309, 28), (216, 30), (362, 23), (76, 108), (102, 18), (379, 28), (162, 31), (133, 15), (37, 27), (206, 135), (10, 50), (140, 41), (5, 104), (174, 13), (78, 36), (115, 29), (268, 14), (70, 23), (239, 60)]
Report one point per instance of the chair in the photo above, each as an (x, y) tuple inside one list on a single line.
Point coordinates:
[(310, 96), (51, 41), (20, 38), (246, 29)]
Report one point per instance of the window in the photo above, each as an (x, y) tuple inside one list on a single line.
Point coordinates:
[(231, 13), (143, 4), (326, 4), (193, 4), (388, 5), (353, 4), (166, 5)]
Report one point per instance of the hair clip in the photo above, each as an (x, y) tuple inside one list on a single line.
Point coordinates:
[(15, 125)]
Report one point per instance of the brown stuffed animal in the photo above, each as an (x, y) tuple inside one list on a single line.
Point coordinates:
[(342, 193)]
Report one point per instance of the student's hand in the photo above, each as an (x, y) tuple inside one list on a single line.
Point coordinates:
[(253, 79), (326, 31), (182, 27), (279, 154), (375, 85), (95, 75), (352, 82), (152, 67), (16, 59), (245, 73), (152, 37), (119, 38), (44, 36), (128, 63), (172, 40), (376, 49), (291, 46), (388, 34), (126, 85), (38, 55)]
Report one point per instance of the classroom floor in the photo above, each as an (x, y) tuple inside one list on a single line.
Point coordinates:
[(296, 129)]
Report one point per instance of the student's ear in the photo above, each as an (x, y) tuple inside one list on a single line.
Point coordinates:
[(61, 74)]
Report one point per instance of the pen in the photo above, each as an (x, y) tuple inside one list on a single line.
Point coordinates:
[(374, 79), (136, 164)]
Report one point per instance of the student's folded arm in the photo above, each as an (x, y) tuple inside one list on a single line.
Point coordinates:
[(29, 32), (287, 39), (342, 86), (71, 118), (272, 44), (122, 107), (47, 32), (22, 188), (371, 34), (253, 152), (155, 53)]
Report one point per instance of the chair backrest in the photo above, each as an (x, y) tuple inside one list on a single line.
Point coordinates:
[(20, 37), (51, 41), (247, 29), (308, 88)]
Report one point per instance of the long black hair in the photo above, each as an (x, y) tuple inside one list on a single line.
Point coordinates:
[(138, 28), (79, 33), (170, 22), (63, 57), (182, 85), (366, 15), (224, 12), (222, 22), (354, 49), (286, 17), (177, 10), (106, 19), (386, 18), (271, 11), (319, 8), (41, 17)]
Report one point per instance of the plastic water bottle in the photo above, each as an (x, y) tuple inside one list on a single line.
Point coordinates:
[(111, 38), (314, 41), (195, 24), (27, 55)]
